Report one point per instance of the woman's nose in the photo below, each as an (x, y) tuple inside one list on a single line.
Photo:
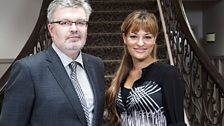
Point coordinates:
[(140, 41)]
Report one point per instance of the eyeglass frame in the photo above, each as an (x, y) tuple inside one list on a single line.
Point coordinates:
[(69, 23)]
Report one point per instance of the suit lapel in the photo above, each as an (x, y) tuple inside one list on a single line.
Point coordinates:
[(90, 70), (92, 76), (57, 69)]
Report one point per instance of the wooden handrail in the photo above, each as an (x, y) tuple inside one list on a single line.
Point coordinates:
[(196, 46)]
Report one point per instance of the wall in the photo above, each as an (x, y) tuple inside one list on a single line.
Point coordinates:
[(206, 17), (214, 22), (195, 18), (18, 18)]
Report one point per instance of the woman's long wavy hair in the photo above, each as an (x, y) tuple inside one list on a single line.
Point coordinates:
[(139, 19)]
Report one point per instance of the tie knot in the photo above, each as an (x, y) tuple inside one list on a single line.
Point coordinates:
[(73, 65)]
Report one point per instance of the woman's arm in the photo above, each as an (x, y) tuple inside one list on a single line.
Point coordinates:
[(174, 97)]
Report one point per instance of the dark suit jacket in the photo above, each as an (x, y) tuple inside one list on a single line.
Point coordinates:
[(40, 93)]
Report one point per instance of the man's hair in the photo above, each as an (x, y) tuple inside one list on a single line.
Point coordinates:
[(68, 3)]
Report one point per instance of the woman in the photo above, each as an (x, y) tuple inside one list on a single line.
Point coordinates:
[(144, 92)]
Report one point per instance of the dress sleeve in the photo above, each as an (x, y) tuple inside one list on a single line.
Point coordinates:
[(173, 93)]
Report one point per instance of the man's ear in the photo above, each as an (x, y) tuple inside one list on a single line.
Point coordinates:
[(50, 28)]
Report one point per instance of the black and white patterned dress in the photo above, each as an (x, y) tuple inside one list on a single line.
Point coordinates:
[(142, 105)]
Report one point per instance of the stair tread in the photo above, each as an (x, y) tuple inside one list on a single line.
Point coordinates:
[(111, 61), (105, 22), (105, 46), (105, 33), (118, 11)]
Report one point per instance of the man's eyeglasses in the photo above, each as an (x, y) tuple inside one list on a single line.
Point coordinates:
[(68, 23)]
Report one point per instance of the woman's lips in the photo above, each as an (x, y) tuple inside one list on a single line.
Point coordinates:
[(140, 50)]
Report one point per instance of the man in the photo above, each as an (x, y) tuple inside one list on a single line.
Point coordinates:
[(42, 90)]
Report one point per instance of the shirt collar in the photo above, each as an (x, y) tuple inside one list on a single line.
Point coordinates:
[(65, 59)]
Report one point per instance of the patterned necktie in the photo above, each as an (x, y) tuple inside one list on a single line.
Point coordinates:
[(78, 89)]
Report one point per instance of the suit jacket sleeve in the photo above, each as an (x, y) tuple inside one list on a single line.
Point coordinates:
[(174, 92), (18, 97)]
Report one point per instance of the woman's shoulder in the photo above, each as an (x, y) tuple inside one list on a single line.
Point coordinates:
[(165, 67), (166, 70)]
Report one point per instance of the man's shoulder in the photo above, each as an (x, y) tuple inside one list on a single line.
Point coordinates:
[(91, 57), (34, 58)]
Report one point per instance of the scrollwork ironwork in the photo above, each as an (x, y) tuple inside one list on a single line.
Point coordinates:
[(204, 100)]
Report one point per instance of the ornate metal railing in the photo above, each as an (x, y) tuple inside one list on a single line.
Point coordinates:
[(204, 86), (218, 61), (38, 40)]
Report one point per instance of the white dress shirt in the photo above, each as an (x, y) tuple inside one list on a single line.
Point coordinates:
[(81, 76)]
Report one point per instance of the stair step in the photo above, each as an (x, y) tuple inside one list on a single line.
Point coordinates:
[(123, 5), (108, 80), (115, 15), (108, 27), (105, 52), (102, 39), (111, 67)]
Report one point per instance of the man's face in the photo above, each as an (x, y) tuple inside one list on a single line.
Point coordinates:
[(69, 37)]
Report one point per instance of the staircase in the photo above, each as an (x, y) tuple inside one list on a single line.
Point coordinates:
[(104, 37), (204, 89)]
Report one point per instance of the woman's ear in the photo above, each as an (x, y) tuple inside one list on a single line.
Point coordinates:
[(156, 37), (124, 38)]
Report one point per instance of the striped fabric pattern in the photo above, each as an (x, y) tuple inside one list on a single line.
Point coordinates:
[(141, 108), (78, 89)]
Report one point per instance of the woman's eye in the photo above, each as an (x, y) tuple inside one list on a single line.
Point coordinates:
[(148, 37), (133, 36)]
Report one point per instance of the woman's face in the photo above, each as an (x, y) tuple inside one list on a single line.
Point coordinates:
[(140, 45)]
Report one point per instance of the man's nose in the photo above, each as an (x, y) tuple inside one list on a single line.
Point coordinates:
[(73, 27)]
